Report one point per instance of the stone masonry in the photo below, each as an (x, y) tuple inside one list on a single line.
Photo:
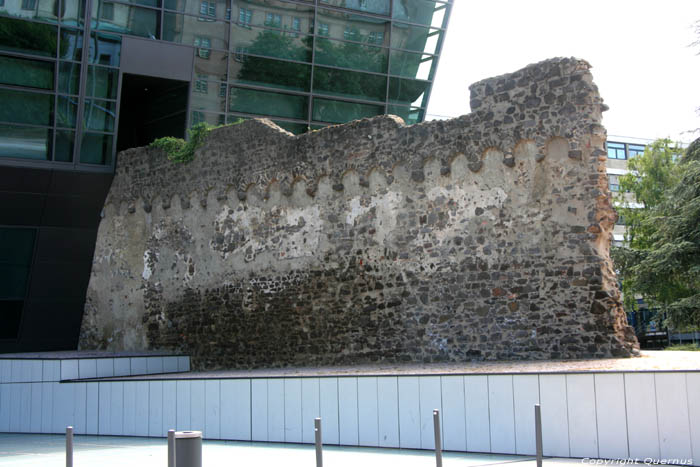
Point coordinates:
[(482, 237)]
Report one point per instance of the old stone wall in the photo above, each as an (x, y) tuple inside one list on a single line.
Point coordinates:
[(482, 237)]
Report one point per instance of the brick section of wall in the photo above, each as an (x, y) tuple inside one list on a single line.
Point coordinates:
[(482, 237)]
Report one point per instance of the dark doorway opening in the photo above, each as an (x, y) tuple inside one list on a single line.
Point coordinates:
[(151, 108)]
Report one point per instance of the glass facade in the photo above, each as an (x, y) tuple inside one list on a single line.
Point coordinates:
[(303, 63)]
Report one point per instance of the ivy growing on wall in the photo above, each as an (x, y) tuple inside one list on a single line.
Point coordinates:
[(181, 151)]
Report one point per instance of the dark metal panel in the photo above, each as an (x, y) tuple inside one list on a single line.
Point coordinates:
[(21, 208), (66, 245), (156, 58), (50, 325), (24, 179), (59, 281), (81, 183), (72, 211)]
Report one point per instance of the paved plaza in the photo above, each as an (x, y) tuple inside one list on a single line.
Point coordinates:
[(20, 450)]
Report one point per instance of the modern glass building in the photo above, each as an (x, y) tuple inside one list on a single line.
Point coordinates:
[(82, 79)]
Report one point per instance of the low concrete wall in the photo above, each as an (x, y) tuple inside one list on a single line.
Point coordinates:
[(618, 415)]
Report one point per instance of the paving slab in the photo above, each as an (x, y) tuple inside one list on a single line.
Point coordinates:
[(23, 450)]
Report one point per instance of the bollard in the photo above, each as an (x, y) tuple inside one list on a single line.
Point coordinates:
[(69, 446), (188, 448), (319, 442), (538, 434), (438, 442), (171, 448)]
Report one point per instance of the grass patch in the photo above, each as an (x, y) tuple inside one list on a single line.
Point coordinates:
[(694, 347)]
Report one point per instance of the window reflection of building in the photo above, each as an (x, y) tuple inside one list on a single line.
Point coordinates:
[(245, 16), (207, 8), (251, 58), (368, 59)]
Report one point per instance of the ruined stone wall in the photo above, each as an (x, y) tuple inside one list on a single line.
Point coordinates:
[(482, 237)]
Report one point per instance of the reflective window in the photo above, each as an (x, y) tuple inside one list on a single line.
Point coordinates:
[(205, 95), (190, 30), (25, 72), (410, 115), (245, 16), (273, 20), (613, 182), (272, 13), (212, 119), (63, 149), (348, 26), (408, 91), (207, 8), (177, 5), (26, 107), (267, 103), (343, 83), (380, 7), (128, 20), (264, 46), (376, 37), (326, 110), (213, 63), (96, 148), (99, 115), (71, 44), (634, 150), (421, 12), (417, 38), (42, 10), (68, 77), (107, 11), (73, 12), (66, 111), (351, 55), (203, 45), (201, 84), (27, 37), (102, 82), (616, 150), (271, 73), (411, 65), (271, 43), (105, 49), (24, 142)]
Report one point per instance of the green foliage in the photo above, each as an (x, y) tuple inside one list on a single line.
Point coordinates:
[(692, 347), (181, 151), (28, 36), (651, 175), (662, 259)]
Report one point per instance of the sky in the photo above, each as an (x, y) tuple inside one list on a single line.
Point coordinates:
[(645, 68)]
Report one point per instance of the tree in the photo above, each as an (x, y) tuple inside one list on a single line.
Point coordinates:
[(661, 261)]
